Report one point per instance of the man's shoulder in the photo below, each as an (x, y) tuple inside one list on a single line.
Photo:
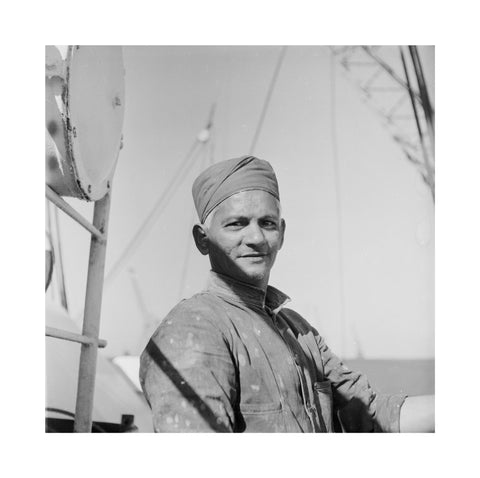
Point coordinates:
[(197, 317), (202, 309), (202, 304)]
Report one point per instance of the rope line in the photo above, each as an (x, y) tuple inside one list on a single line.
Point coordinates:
[(183, 278), (150, 220), (268, 97), (338, 203)]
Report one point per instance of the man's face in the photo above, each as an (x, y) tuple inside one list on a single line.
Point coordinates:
[(244, 236)]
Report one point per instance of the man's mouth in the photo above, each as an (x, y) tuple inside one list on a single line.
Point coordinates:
[(255, 258)]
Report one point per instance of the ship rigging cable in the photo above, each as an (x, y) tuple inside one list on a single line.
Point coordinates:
[(155, 213), (183, 278), (267, 98), (201, 140), (338, 203)]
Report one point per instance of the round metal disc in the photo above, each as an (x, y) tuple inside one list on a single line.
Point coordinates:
[(85, 98), (95, 106)]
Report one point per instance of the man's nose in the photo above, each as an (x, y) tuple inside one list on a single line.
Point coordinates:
[(254, 235)]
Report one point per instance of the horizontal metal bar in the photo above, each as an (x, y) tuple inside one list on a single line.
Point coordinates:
[(73, 337), (67, 209)]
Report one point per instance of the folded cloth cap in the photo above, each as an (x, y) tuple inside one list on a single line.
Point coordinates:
[(226, 178)]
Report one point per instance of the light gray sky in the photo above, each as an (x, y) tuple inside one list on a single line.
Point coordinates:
[(386, 213)]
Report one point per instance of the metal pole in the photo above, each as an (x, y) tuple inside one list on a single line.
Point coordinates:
[(91, 320)]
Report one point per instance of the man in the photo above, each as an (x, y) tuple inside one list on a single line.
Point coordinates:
[(233, 358)]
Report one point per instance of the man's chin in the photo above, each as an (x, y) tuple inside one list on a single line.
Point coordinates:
[(254, 276)]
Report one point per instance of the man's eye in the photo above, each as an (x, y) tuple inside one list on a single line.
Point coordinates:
[(234, 224), (269, 224)]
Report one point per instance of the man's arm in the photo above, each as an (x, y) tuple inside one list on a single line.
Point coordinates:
[(417, 414), (356, 404)]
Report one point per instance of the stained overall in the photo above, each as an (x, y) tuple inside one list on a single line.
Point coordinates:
[(234, 359)]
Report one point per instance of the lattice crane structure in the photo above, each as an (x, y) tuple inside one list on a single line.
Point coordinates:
[(392, 83)]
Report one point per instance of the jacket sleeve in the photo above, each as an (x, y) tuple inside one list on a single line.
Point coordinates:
[(187, 374), (356, 405)]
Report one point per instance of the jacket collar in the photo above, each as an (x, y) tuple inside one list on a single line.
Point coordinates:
[(273, 300)]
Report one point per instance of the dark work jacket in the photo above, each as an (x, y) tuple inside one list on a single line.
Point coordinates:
[(234, 359)]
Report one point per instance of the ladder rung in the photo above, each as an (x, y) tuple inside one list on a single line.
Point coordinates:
[(67, 209), (73, 337)]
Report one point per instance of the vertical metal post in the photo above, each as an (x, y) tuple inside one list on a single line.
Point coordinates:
[(422, 86), (91, 319), (430, 172)]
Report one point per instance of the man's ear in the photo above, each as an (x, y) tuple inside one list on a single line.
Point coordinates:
[(283, 227), (201, 239)]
